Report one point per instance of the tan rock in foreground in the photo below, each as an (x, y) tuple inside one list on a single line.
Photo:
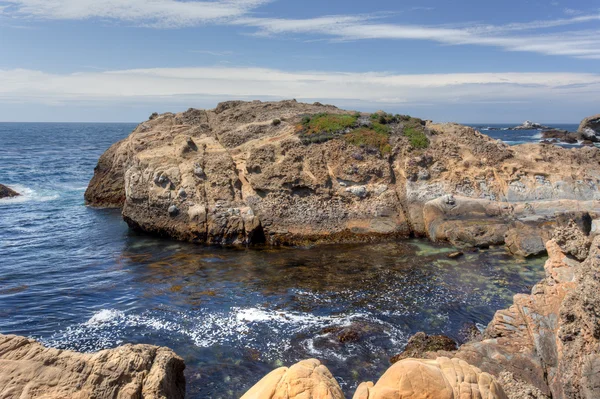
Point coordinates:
[(442, 378), (308, 379), (30, 370)]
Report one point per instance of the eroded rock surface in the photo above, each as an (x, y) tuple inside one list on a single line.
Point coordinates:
[(549, 342), (441, 378), (308, 379), (590, 127), (6, 192), (233, 176), (29, 370)]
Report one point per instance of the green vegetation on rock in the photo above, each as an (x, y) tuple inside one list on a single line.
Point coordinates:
[(372, 138), (328, 123)]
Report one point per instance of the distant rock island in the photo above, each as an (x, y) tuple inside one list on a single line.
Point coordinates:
[(528, 125)]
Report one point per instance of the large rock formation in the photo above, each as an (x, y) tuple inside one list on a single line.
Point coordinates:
[(29, 370), (251, 172), (590, 127), (6, 192)]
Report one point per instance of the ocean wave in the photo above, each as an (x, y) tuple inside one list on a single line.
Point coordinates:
[(29, 195), (270, 332)]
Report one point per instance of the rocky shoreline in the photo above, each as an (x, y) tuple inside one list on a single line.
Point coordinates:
[(547, 345)]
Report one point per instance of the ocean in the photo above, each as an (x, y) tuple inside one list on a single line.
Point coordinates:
[(77, 278)]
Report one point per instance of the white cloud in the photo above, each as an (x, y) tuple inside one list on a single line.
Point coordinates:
[(171, 85), (531, 36), (160, 13), (580, 44)]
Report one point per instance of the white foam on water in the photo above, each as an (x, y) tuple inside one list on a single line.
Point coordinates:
[(29, 195), (270, 332)]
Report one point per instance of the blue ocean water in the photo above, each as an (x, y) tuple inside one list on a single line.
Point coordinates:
[(514, 137), (77, 278)]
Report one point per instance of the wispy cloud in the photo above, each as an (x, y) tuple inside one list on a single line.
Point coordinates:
[(540, 36), (158, 13), (213, 53), (580, 44), (165, 85)]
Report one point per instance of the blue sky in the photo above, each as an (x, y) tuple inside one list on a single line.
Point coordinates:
[(467, 61)]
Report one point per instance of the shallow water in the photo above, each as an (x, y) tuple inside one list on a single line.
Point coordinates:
[(77, 278)]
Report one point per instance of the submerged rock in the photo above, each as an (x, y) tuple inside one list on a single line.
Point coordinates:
[(420, 344), (6, 192), (29, 370)]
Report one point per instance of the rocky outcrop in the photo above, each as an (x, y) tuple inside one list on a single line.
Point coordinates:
[(6, 192), (590, 128), (441, 378), (548, 343), (321, 174), (528, 125), (308, 379), (29, 370)]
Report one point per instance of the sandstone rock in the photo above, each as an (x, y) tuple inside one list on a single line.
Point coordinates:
[(442, 378), (308, 379), (6, 192), (464, 187), (572, 241), (420, 344), (29, 370), (549, 341)]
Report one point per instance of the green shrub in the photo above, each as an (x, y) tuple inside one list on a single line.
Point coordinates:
[(329, 123), (276, 122), (416, 137)]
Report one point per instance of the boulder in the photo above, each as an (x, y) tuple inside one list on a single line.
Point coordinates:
[(30, 370), (590, 128), (6, 192), (523, 240), (308, 379), (442, 378)]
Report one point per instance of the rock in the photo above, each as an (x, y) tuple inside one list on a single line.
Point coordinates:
[(463, 187), (524, 241), (573, 241), (420, 344), (307, 379), (6, 192), (455, 255), (29, 370), (562, 136), (173, 210), (441, 378), (549, 341), (528, 125), (590, 127)]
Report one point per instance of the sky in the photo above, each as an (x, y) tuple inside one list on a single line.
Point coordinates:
[(464, 61)]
